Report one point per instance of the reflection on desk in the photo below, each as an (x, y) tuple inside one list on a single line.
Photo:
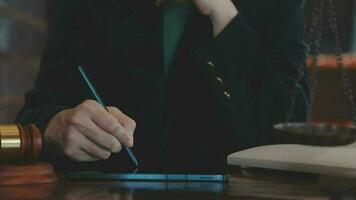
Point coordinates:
[(248, 184)]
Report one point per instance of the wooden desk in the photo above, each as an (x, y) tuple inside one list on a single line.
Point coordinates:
[(249, 185)]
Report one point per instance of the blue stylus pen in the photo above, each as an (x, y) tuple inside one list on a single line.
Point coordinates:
[(101, 102)]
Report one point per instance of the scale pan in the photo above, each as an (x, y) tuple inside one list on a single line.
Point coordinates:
[(315, 134)]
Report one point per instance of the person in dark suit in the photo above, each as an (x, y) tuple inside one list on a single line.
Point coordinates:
[(191, 81)]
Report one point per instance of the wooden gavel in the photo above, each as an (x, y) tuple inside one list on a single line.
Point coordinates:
[(20, 146), (19, 143)]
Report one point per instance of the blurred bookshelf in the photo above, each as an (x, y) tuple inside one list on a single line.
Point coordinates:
[(331, 104), (23, 29)]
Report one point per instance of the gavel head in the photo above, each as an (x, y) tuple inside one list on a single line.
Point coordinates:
[(19, 143)]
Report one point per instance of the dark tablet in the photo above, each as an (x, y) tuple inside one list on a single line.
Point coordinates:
[(146, 177)]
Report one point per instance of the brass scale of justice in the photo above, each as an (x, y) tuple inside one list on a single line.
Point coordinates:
[(20, 145), (320, 134)]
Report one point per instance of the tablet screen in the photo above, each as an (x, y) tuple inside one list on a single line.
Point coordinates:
[(147, 177)]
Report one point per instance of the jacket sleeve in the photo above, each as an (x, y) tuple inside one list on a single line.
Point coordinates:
[(57, 86), (253, 74)]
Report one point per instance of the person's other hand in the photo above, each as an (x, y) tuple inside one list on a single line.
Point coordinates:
[(208, 7), (221, 12), (89, 133)]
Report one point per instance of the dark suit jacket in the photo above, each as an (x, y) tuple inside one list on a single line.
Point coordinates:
[(223, 94)]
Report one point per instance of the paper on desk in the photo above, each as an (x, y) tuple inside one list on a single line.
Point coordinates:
[(335, 161)]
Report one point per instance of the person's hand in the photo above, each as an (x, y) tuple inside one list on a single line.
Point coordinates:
[(89, 133)]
